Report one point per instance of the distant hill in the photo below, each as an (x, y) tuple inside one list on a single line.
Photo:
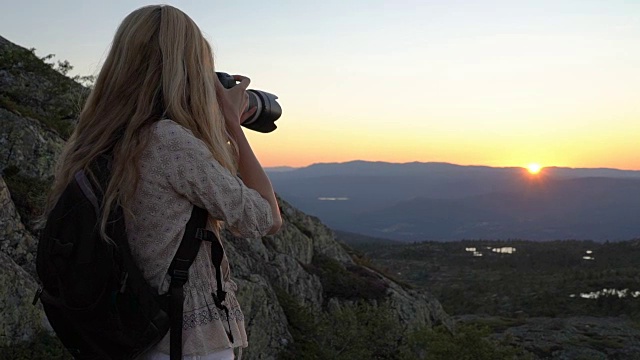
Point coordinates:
[(381, 168), (440, 201), (280, 168), (359, 240)]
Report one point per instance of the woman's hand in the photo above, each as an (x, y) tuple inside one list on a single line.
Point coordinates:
[(233, 102)]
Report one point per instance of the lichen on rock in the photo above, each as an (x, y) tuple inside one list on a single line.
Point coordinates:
[(20, 320), (15, 241), (28, 145)]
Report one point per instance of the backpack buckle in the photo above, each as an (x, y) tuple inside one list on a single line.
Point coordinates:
[(205, 235), (179, 275), (218, 297), (179, 270)]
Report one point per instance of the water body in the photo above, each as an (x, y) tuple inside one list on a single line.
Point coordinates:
[(500, 250), (504, 250), (608, 292)]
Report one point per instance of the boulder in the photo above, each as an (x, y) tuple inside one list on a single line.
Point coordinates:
[(20, 320), (28, 145), (15, 241)]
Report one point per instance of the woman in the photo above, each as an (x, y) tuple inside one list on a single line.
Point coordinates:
[(175, 137)]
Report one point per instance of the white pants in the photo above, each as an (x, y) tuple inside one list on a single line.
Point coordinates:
[(226, 354)]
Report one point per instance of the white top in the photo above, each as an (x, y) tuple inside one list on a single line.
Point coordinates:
[(177, 171), (226, 354)]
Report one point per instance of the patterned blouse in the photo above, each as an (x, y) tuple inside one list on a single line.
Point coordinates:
[(176, 171)]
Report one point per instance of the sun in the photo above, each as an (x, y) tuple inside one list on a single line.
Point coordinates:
[(534, 168)]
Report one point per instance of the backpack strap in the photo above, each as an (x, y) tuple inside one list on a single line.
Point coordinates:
[(217, 253), (194, 234), (85, 185), (179, 272)]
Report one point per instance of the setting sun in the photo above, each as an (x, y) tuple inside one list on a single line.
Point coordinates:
[(534, 168)]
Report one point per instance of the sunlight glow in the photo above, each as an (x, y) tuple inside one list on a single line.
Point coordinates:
[(534, 168)]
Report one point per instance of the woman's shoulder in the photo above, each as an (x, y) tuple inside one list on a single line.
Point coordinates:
[(168, 136), (167, 128)]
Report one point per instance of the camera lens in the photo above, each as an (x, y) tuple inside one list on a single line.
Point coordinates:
[(267, 108)]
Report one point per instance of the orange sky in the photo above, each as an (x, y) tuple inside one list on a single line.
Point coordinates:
[(300, 142), (482, 82)]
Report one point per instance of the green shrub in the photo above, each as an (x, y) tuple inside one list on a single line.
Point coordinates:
[(304, 326), (347, 282), (43, 347), (28, 193), (363, 260), (469, 342), (351, 331), (41, 90), (362, 330)]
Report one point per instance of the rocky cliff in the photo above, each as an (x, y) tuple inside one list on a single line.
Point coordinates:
[(303, 261)]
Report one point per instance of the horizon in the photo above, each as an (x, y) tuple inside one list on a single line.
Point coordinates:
[(524, 167), (493, 83)]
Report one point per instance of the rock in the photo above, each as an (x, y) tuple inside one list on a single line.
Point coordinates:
[(282, 270), (15, 240), (266, 322), (31, 87), (4, 42), (417, 307), (282, 258), (280, 261), (20, 320), (27, 144), (323, 239)]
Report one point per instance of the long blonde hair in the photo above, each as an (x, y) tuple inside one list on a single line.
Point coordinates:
[(159, 66)]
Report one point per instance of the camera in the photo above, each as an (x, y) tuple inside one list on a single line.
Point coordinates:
[(267, 109)]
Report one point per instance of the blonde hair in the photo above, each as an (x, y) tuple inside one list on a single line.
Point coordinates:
[(159, 66)]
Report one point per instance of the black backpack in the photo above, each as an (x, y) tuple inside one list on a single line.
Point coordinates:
[(93, 293)]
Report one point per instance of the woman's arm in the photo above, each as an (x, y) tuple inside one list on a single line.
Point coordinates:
[(253, 175), (233, 103)]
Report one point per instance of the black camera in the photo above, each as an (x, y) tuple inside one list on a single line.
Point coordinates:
[(267, 109)]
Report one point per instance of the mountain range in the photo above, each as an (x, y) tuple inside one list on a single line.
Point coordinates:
[(440, 201)]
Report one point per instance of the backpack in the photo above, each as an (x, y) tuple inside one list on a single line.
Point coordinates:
[(93, 293)]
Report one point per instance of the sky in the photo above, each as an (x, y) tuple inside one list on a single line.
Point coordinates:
[(473, 82)]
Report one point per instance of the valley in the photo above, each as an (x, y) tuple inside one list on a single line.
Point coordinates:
[(579, 299)]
